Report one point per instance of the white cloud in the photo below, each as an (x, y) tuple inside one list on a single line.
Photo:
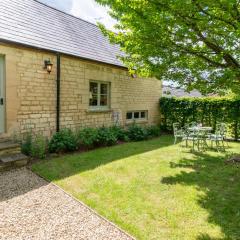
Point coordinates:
[(64, 5), (91, 11), (88, 10)]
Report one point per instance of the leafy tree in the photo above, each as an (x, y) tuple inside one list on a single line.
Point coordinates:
[(193, 42)]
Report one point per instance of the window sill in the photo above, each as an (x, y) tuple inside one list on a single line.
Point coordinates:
[(99, 110), (129, 122)]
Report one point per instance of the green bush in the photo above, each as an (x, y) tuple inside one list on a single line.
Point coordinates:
[(66, 140), (34, 145), (87, 137), (208, 111), (153, 131), (26, 144), (104, 136), (63, 141), (39, 146), (107, 136), (137, 133), (120, 133)]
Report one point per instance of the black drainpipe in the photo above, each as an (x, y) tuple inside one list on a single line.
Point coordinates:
[(58, 92)]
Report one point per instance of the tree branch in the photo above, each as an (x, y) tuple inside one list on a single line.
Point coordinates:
[(230, 60), (231, 23), (201, 55)]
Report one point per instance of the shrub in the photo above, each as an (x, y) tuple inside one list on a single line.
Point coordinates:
[(87, 137), (66, 141), (107, 136), (39, 146), (63, 141), (153, 131), (137, 133), (207, 110), (34, 145), (119, 133), (26, 144)]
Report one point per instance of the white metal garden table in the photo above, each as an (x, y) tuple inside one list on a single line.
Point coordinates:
[(198, 135), (199, 128)]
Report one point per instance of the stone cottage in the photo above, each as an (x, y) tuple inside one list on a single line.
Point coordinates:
[(58, 71)]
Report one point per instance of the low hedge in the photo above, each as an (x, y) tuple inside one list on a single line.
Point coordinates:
[(67, 140), (208, 111)]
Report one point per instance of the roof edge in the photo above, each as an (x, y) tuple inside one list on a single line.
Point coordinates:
[(52, 51)]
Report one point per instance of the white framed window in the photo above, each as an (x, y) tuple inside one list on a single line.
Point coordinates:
[(137, 115), (99, 95)]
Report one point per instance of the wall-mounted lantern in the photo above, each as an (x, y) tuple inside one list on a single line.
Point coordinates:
[(48, 66)]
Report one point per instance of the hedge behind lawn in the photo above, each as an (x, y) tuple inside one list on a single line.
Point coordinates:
[(207, 111)]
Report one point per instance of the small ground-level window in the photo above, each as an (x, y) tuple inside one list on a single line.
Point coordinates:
[(129, 115), (143, 114), (136, 115), (99, 94)]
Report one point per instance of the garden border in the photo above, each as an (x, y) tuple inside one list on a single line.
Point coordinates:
[(82, 203)]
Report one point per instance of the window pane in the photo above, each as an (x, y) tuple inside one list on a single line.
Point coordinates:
[(93, 100), (103, 100), (143, 114), (129, 115), (136, 115), (93, 87), (99, 94), (104, 89)]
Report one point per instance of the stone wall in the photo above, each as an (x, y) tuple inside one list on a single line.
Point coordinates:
[(31, 92)]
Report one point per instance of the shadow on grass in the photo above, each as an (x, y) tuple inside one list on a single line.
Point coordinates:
[(72, 164), (221, 184)]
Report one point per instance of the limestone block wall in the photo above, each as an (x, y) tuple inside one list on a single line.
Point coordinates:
[(31, 92), (127, 94)]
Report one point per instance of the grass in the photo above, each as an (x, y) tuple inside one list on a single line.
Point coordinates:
[(154, 189)]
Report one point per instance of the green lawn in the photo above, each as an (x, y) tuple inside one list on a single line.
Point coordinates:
[(154, 189)]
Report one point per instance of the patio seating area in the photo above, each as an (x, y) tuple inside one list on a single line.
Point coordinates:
[(199, 137)]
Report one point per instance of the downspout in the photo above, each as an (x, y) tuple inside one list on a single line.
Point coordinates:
[(58, 92)]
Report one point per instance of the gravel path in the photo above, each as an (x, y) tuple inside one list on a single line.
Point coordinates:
[(31, 208)]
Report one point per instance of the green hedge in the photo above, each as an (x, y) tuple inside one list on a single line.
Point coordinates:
[(68, 140), (207, 111)]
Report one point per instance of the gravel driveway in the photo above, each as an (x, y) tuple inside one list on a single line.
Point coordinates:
[(31, 208)]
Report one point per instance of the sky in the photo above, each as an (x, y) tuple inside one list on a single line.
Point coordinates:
[(86, 9)]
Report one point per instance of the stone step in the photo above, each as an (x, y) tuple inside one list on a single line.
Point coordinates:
[(12, 161), (9, 147), (4, 139)]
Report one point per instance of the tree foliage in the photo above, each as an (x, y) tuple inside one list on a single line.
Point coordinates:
[(193, 42)]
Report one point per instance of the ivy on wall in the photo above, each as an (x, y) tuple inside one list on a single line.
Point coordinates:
[(207, 111)]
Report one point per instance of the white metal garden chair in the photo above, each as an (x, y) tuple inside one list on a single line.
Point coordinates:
[(178, 132), (219, 136)]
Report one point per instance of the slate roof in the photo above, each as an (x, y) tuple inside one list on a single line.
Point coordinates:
[(169, 91), (34, 24)]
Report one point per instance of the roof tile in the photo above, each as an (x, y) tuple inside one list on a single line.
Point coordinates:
[(32, 23)]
